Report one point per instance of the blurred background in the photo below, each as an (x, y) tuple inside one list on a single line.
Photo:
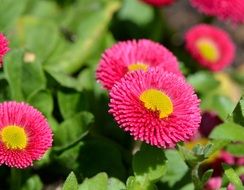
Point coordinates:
[(55, 48)]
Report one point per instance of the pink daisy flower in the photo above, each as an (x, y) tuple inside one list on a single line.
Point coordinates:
[(158, 3), (24, 134), (157, 107), (223, 9), (133, 55), (3, 47), (210, 46)]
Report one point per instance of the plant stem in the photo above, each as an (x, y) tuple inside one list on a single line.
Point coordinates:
[(195, 177), (15, 180)]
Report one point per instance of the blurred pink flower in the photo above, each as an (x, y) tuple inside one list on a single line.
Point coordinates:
[(158, 3), (3, 47), (157, 107), (24, 134), (231, 187), (133, 55), (227, 158), (210, 46), (240, 161), (223, 9), (208, 122), (213, 183)]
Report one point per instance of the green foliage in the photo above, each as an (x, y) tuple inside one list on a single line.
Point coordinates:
[(33, 183), (222, 105), (149, 163), (132, 10), (233, 177), (176, 168), (236, 149), (203, 81), (228, 131), (99, 182), (14, 10), (237, 115), (71, 182), (73, 129)]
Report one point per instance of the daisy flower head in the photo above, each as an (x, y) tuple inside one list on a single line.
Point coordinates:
[(156, 106), (3, 47), (158, 3), (128, 56), (210, 46), (24, 134), (223, 9)]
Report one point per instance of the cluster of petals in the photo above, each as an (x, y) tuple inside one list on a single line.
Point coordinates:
[(219, 40), (116, 60), (146, 125), (215, 183), (33, 123), (158, 3), (3, 47), (223, 9)]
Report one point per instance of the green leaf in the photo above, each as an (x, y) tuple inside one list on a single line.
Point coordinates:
[(33, 78), (33, 34), (86, 79), (73, 129), (71, 182), (68, 156), (10, 10), (236, 149), (237, 115), (132, 10), (33, 183), (115, 184), (206, 176), (65, 80), (228, 131), (100, 154), (70, 103), (13, 73), (4, 92), (133, 183), (220, 104), (43, 101), (232, 176), (203, 81), (189, 186), (188, 155), (176, 167), (74, 58), (17, 72), (43, 9), (216, 146), (98, 182), (149, 161)]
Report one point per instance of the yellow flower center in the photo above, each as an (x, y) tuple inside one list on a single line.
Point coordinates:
[(13, 137), (156, 100), (138, 66), (208, 49)]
